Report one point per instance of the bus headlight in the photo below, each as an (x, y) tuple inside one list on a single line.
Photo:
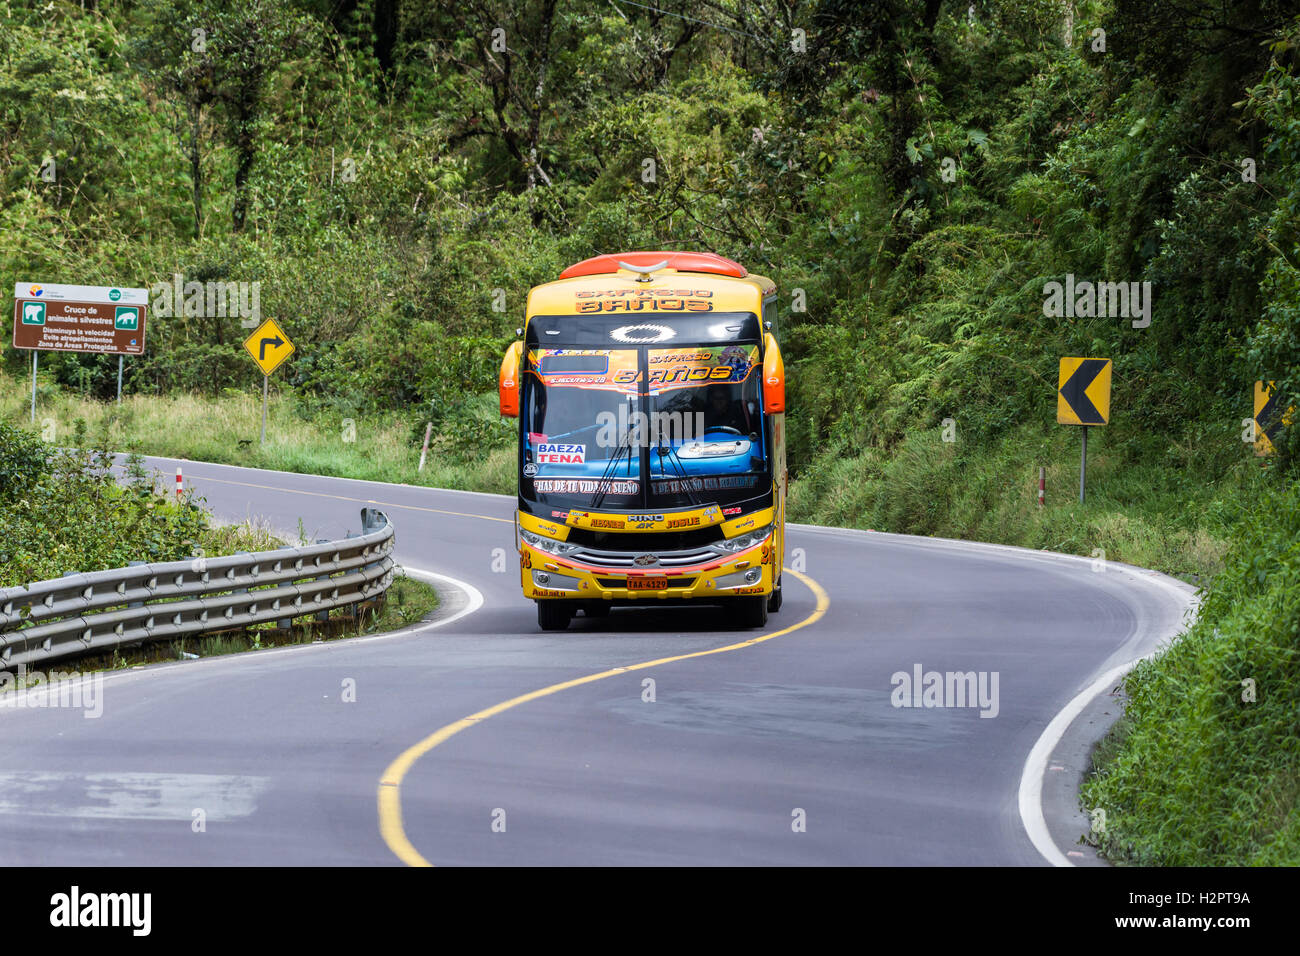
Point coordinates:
[(738, 579), (556, 582), (744, 542), (549, 545)]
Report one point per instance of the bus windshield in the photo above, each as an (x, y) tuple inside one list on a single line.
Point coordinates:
[(596, 420)]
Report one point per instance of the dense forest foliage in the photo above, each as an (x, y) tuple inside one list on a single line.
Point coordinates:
[(912, 173), (397, 174)]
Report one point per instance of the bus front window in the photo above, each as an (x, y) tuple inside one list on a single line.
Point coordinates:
[(574, 450), (708, 433)]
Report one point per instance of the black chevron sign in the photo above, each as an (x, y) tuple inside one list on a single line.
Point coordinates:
[(1083, 395), (1270, 419)]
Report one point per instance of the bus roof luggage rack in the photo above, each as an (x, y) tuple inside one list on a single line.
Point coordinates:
[(681, 261)]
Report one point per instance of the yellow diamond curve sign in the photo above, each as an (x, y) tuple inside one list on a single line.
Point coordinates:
[(268, 346)]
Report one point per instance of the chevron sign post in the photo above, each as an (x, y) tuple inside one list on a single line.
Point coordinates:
[(1083, 398)]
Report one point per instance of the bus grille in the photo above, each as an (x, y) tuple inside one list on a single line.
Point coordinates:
[(643, 542), (626, 559)]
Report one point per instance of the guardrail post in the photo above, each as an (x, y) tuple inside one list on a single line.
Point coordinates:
[(241, 590), (354, 609), (370, 521), (323, 616), (136, 564)]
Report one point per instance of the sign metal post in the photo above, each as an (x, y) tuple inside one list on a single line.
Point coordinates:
[(1083, 462)]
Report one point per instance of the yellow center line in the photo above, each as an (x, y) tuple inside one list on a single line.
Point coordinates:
[(390, 783), (364, 501)]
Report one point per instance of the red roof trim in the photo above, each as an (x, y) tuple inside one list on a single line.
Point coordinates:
[(681, 261)]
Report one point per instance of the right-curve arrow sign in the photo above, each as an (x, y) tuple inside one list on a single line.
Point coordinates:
[(268, 346)]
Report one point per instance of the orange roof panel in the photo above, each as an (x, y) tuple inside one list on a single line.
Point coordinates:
[(681, 261)]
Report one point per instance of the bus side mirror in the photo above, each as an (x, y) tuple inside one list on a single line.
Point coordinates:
[(773, 377), (508, 380)]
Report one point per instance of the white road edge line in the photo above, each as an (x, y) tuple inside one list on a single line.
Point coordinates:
[(1031, 778), (312, 474), (1030, 795), (433, 577)]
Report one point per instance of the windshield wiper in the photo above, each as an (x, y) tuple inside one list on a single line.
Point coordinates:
[(679, 469), (607, 476), (574, 431)]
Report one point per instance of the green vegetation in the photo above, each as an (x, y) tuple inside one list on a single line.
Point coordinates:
[(912, 174), (381, 446), (1147, 502), (62, 511), (1207, 771)]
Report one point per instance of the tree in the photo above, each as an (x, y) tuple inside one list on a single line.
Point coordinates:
[(208, 57), (501, 55)]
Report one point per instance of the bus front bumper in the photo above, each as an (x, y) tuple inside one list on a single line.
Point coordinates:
[(546, 577)]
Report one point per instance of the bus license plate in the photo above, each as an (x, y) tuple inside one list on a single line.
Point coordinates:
[(647, 584)]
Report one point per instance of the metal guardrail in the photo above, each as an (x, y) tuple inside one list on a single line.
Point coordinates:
[(99, 610)]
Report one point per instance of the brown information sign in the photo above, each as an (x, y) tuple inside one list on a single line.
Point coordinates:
[(55, 318)]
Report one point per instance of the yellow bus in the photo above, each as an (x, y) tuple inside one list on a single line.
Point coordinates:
[(650, 394)]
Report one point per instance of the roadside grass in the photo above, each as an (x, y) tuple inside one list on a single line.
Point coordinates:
[(1204, 770), (1171, 509), (251, 535)]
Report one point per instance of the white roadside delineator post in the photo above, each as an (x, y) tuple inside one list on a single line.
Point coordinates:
[(424, 452)]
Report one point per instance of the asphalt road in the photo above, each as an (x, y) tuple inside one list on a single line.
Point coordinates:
[(782, 751)]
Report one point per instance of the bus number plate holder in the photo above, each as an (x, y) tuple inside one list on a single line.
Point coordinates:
[(647, 583)]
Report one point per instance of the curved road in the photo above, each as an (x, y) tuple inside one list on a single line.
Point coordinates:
[(780, 751)]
